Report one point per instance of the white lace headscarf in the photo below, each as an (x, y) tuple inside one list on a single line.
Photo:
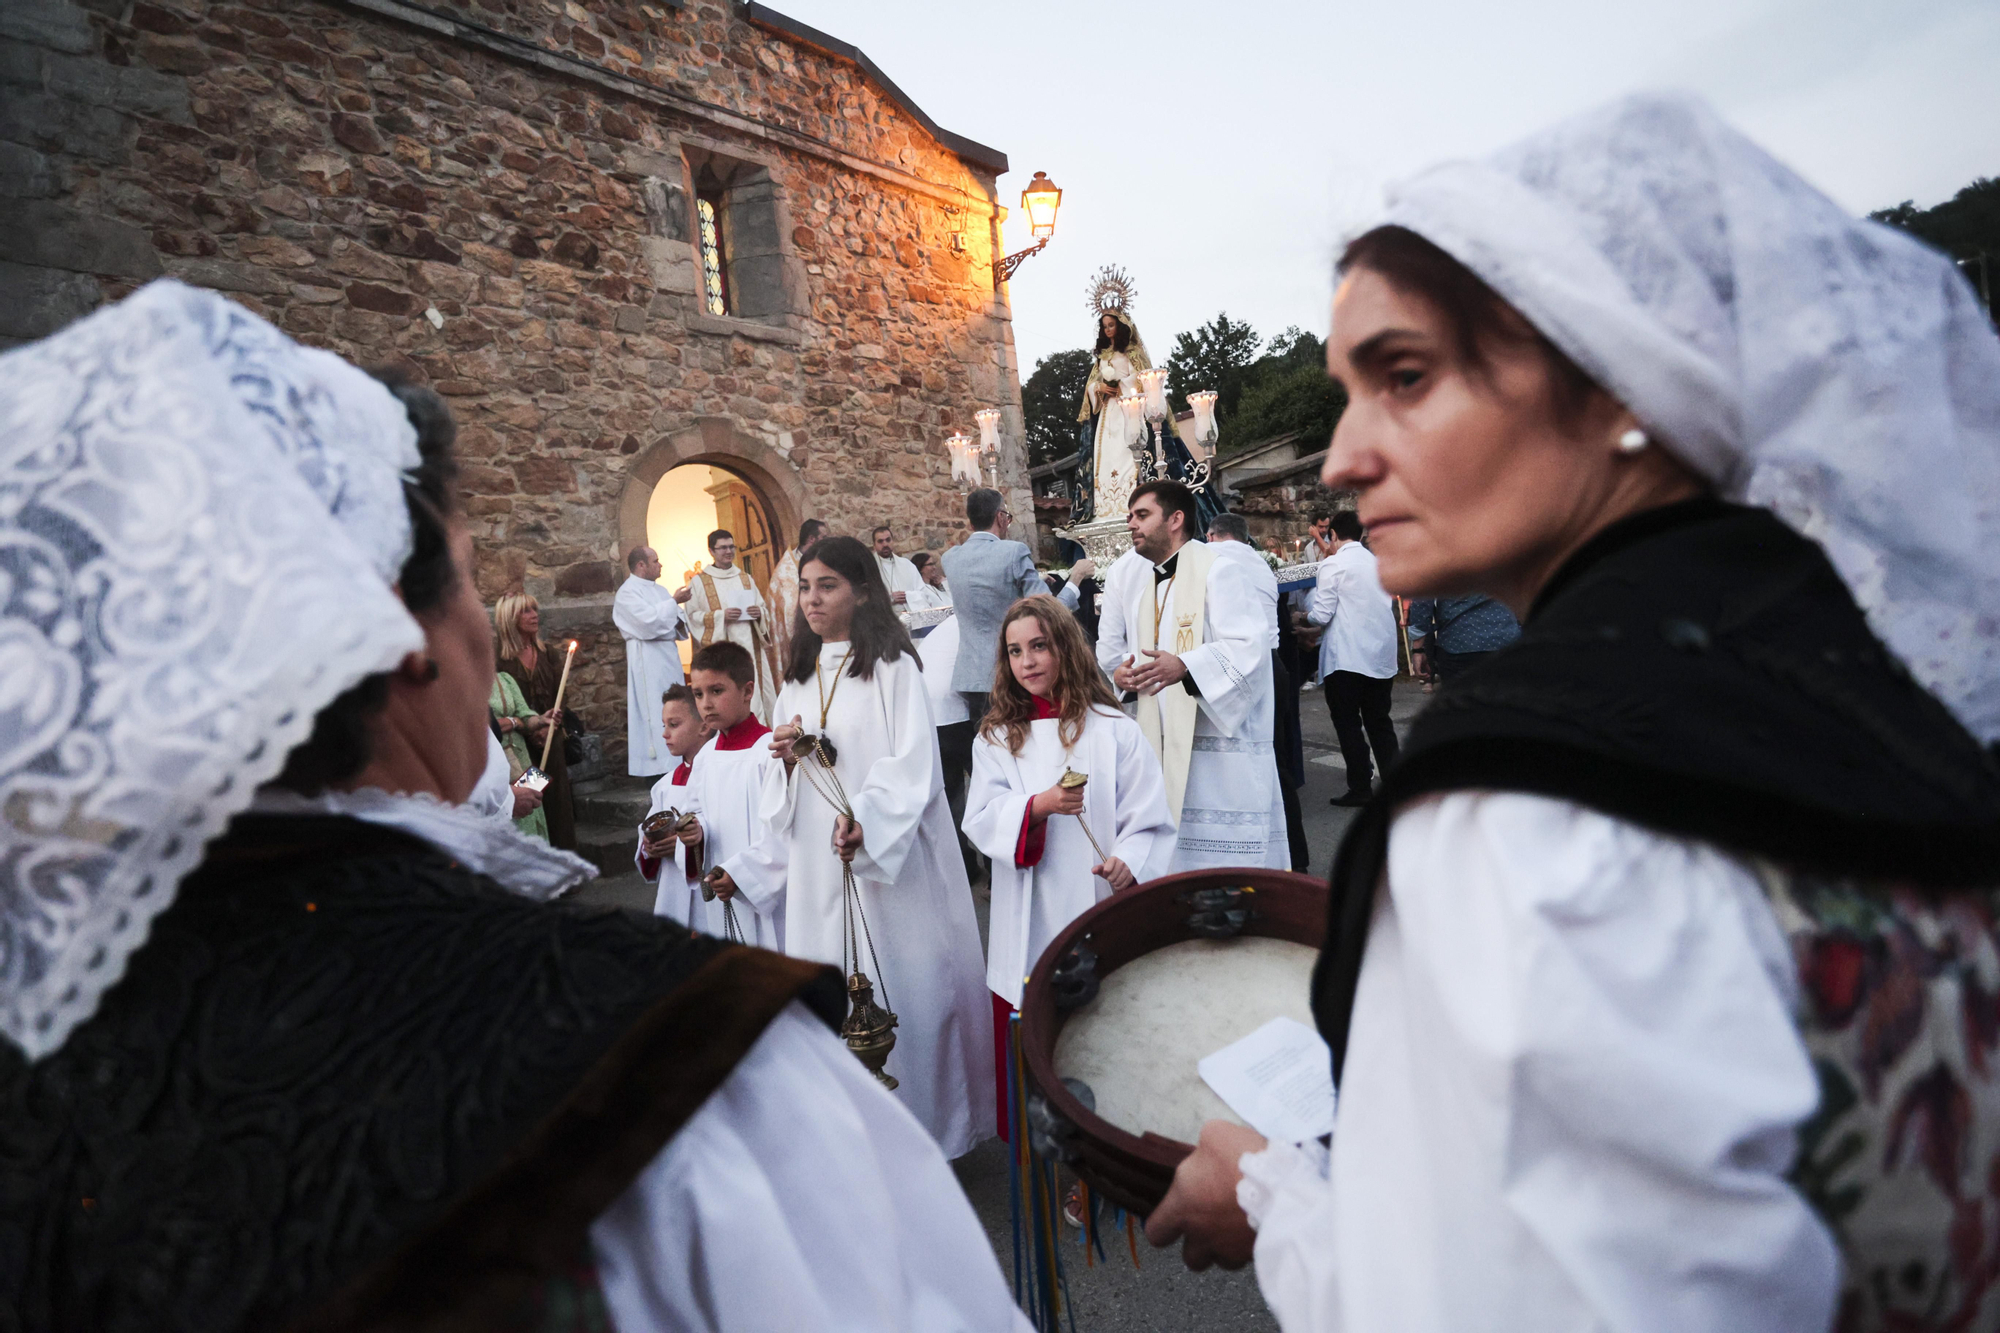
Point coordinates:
[(1833, 370), (200, 523)]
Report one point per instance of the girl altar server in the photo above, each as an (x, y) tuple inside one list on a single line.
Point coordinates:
[(746, 867), (1052, 713), (853, 678)]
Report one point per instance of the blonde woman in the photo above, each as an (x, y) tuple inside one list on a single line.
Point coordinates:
[(517, 621)]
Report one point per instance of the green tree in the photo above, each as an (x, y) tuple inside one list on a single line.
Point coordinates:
[(1049, 403), (1291, 396), (1215, 356), (1965, 226)]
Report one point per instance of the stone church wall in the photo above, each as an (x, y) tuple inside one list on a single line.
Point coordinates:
[(498, 198)]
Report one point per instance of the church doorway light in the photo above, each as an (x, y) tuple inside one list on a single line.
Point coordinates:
[(693, 500)]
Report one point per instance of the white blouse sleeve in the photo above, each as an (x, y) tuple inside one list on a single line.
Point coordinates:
[(1569, 1098), (800, 1196)]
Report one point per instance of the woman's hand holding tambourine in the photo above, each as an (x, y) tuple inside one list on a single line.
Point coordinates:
[(1201, 1208)]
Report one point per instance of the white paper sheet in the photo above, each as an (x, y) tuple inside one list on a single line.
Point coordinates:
[(1279, 1079)]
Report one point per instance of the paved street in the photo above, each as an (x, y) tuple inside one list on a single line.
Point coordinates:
[(1161, 1296)]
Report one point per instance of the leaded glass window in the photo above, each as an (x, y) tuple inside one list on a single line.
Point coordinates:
[(714, 266)]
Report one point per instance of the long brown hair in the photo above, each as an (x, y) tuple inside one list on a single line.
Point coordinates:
[(1080, 684), (875, 633)]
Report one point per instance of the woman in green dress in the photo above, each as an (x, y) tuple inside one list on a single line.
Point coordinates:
[(518, 725), (517, 620)]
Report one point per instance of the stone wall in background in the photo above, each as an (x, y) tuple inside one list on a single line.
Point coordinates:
[(497, 198)]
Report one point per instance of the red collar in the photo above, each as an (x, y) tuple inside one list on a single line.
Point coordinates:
[(683, 773), (1046, 708), (743, 735)]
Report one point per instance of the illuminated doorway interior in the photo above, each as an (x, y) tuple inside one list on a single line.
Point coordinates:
[(694, 500)]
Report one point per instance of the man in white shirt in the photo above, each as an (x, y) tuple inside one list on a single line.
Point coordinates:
[(898, 574), (1229, 538), (1357, 655), (650, 619), (1184, 629)]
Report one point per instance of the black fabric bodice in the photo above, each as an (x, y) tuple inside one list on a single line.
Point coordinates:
[(1700, 670), (347, 1083)]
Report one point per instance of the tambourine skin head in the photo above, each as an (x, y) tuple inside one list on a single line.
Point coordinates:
[(1135, 1169)]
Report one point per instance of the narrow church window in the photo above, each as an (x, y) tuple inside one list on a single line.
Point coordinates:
[(714, 264)]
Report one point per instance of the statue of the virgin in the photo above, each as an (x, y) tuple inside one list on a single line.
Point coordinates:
[(1111, 421)]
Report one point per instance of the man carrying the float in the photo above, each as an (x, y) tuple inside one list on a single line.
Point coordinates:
[(728, 607), (1185, 633)]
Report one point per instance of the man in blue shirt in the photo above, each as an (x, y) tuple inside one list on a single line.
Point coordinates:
[(1450, 635)]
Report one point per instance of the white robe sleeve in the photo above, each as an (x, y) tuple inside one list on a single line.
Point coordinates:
[(1569, 1098), (1145, 834), (800, 1196), (1114, 621), (893, 795), (640, 616), (1236, 646), (995, 803), (759, 868)]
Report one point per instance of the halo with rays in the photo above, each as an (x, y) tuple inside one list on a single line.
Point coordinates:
[(1110, 288)]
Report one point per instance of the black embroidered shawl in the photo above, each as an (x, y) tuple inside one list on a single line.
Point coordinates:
[(347, 1083), (1701, 670)]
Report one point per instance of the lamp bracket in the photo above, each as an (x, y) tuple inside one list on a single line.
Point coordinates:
[(1004, 269)]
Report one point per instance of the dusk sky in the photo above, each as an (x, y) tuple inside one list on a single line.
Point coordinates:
[(1221, 153)]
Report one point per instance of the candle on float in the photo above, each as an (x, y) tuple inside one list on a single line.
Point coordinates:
[(561, 685)]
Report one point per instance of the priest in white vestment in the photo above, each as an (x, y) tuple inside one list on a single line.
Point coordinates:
[(650, 619), (899, 576), (1187, 632), (910, 879), (724, 603), (785, 589)]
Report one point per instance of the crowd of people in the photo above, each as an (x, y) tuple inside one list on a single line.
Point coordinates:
[(1661, 964)]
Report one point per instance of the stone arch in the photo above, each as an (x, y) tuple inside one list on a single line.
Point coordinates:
[(713, 440)]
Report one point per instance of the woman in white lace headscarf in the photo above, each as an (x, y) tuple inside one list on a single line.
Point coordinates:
[(299, 1030), (1661, 972)]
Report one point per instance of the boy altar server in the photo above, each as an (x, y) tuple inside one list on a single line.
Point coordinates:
[(727, 787), (674, 862), (855, 680), (1051, 713)]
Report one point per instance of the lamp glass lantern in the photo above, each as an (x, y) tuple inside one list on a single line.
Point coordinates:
[(964, 459), (1203, 404), (1153, 387), (1041, 199), (989, 427)]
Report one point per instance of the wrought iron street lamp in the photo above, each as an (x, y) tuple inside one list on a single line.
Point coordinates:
[(1041, 200)]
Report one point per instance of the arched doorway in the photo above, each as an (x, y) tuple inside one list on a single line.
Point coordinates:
[(692, 500)]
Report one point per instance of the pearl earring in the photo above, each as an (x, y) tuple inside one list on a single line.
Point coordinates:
[(1632, 441)]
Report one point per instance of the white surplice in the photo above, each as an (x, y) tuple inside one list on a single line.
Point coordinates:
[(924, 597), (1232, 813), (708, 616), (784, 604), (728, 790), (1569, 1100), (799, 1196), (898, 574), (649, 618), (677, 898), (1124, 803), (912, 886)]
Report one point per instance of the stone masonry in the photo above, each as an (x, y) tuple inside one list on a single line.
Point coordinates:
[(498, 196)]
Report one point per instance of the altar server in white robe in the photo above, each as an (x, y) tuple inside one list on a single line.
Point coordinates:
[(1188, 634), (785, 588), (673, 861), (724, 603), (1052, 713), (854, 678), (745, 864), (650, 619)]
